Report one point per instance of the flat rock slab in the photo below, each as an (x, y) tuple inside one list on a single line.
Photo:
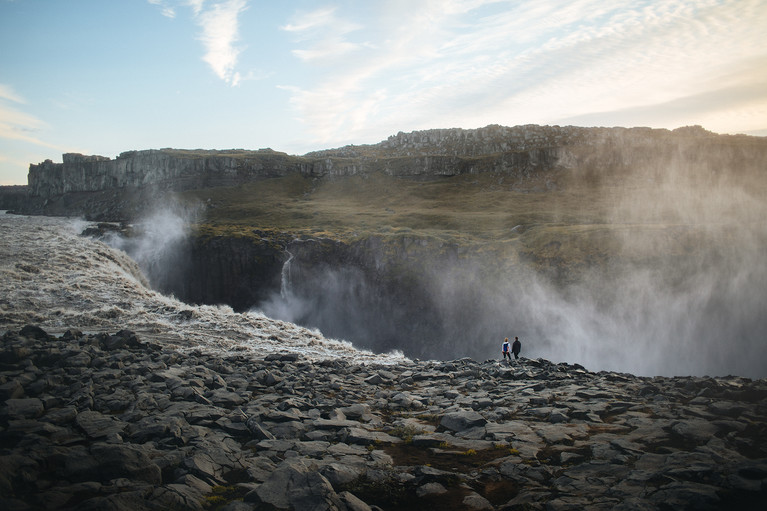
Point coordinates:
[(462, 420), (295, 485), (695, 430), (97, 425), (24, 408)]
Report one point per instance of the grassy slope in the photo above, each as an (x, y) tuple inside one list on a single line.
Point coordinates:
[(563, 227), (468, 208), (591, 216)]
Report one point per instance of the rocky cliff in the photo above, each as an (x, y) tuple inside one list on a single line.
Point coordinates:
[(448, 152), (166, 168), (13, 197), (370, 290)]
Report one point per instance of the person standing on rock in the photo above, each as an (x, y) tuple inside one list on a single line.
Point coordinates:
[(516, 348), (505, 349)]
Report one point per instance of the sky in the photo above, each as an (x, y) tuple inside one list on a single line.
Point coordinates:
[(103, 77)]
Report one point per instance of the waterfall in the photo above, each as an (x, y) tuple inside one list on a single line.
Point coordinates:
[(285, 277)]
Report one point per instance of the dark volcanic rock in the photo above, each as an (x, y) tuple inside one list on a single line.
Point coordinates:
[(119, 428), (296, 485)]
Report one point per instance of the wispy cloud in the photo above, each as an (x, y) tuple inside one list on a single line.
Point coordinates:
[(325, 32), (7, 93), (219, 23), (472, 63), (220, 27), (196, 5), (17, 125), (312, 20), (166, 10)]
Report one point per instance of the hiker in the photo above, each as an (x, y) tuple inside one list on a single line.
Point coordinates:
[(515, 348), (505, 349)]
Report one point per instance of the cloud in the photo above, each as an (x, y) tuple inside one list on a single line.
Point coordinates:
[(196, 5), (325, 32), (471, 63), (736, 101), (167, 11), (219, 22), (17, 125), (313, 20), (22, 135), (6, 92), (219, 25)]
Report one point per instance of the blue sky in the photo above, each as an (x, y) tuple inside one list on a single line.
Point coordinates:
[(106, 76)]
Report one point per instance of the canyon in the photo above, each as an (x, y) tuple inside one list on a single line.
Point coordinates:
[(643, 254), (439, 243)]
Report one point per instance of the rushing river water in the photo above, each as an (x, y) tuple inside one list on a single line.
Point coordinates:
[(52, 277)]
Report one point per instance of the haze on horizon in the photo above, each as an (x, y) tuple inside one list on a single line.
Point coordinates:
[(105, 77)]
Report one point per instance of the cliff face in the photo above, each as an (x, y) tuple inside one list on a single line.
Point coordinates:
[(240, 272), (520, 150), (169, 168), (13, 197), (373, 291), (491, 139), (183, 170)]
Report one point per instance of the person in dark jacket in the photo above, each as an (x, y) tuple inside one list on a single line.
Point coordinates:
[(515, 348)]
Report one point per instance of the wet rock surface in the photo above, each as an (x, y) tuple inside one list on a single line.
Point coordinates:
[(113, 421)]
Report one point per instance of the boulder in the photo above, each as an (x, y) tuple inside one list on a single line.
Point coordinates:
[(11, 390), (429, 489), (365, 437), (105, 462), (695, 430), (178, 496), (33, 332), (353, 503), (97, 425), (24, 408), (339, 474), (477, 502), (462, 420), (203, 467), (257, 429), (296, 485)]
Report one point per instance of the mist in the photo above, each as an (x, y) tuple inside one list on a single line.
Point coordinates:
[(701, 314), (341, 303), (685, 294), (682, 291), (158, 242)]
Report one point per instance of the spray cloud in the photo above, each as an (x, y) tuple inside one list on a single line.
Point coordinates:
[(159, 244), (678, 286)]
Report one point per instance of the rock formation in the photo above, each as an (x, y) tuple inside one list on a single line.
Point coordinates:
[(14, 197), (81, 185), (114, 422)]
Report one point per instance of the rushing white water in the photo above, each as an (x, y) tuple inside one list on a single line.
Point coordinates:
[(286, 277), (52, 277)]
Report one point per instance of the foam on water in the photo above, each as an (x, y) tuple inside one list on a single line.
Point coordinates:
[(52, 277)]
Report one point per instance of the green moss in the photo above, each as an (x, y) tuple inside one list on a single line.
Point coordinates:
[(222, 495), (406, 432)]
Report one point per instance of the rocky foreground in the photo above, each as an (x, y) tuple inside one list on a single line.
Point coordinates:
[(111, 422)]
